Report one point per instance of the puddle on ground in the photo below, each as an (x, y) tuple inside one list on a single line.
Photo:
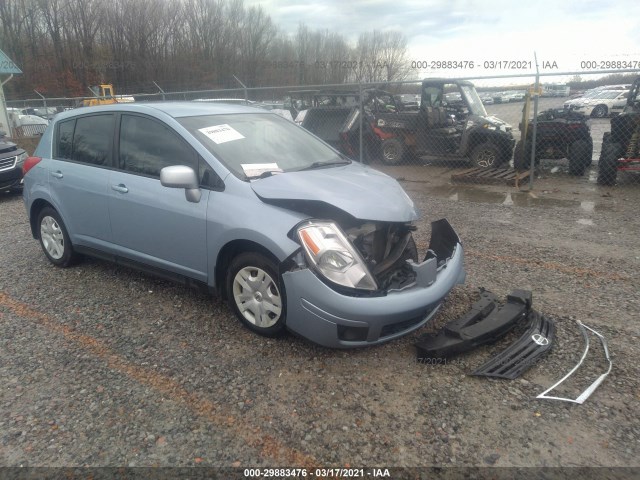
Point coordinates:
[(519, 199)]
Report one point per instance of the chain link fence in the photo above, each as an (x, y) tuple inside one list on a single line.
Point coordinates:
[(456, 130)]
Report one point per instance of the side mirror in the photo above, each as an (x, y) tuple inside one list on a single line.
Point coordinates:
[(181, 176)]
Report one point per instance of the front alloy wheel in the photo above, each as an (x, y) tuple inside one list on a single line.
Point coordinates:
[(255, 293), (600, 111)]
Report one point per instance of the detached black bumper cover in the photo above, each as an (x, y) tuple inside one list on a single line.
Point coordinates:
[(483, 324), (523, 353)]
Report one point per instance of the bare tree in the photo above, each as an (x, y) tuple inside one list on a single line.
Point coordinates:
[(65, 45), (381, 56), (256, 34)]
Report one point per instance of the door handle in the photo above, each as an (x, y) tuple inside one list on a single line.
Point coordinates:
[(57, 174), (120, 188)]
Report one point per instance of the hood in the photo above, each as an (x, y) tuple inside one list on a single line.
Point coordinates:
[(362, 192), (6, 145)]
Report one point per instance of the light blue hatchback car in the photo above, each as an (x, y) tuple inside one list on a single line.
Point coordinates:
[(294, 235)]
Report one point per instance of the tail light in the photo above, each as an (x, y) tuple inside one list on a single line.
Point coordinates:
[(29, 163)]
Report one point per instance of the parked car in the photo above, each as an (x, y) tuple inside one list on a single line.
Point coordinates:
[(11, 160), (486, 99), (593, 93), (46, 113), (516, 96), (248, 204), (601, 105)]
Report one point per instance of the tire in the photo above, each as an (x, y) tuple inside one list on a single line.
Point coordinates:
[(600, 111), (608, 163), (393, 151), (520, 160), (580, 153), (54, 239), (256, 294), (485, 155)]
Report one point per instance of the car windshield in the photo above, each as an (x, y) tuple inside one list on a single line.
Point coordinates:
[(252, 144), (473, 100)]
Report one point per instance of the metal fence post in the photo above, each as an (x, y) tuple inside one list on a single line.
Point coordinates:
[(360, 118), (44, 102), (536, 94), (161, 90), (246, 94)]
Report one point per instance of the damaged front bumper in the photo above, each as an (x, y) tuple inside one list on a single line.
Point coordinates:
[(332, 319)]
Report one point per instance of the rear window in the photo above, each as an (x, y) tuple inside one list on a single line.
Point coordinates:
[(86, 139)]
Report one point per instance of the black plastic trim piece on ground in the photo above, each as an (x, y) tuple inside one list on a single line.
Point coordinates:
[(524, 352), (483, 324)]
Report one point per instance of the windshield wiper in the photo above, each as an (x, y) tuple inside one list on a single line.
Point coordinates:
[(315, 165)]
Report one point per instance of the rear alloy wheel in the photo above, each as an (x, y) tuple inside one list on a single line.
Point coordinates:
[(485, 155), (600, 111), (608, 163), (54, 238), (580, 153), (393, 151), (256, 294)]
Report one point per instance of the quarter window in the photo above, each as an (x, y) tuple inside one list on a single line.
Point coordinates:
[(147, 146), (65, 139)]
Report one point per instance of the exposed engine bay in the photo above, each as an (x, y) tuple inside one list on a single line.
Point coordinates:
[(385, 248)]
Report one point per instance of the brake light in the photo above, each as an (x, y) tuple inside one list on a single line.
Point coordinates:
[(29, 163)]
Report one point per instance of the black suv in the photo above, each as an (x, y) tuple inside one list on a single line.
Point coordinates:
[(621, 146), (560, 134), (11, 160)]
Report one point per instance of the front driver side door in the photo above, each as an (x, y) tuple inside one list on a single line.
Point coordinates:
[(150, 223)]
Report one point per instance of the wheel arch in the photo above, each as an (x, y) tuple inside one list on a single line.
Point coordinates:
[(228, 252), (34, 211)]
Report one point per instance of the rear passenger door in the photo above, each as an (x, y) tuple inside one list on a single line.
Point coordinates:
[(152, 224), (79, 177)]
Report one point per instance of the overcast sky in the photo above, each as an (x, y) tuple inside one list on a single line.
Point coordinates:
[(567, 32)]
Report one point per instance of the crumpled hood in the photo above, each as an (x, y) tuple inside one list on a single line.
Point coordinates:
[(362, 192)]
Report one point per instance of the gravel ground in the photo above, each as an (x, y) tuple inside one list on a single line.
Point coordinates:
[(104, 366)]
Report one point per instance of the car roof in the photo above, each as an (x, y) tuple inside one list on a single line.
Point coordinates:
[(173, 109)]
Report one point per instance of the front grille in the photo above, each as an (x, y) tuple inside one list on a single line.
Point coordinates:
[(7, 163)]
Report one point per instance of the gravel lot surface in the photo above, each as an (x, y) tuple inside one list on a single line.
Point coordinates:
[(105, 366)]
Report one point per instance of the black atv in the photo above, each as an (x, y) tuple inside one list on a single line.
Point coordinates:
[(560, 134), (621, 146)]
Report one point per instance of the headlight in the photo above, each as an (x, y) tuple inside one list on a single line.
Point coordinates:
[(21, 158), (489, 126), (331, 253)]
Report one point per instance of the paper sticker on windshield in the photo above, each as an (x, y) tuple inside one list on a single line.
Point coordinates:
[(221, 133), (257, 169)]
